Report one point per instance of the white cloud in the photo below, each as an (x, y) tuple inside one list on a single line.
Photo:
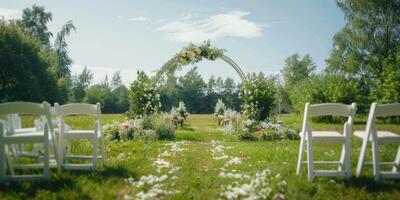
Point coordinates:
[(133, 19), (193, 29), (138, 19), (8, 14)]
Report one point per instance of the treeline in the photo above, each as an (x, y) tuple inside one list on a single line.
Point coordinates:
[(199, 96)]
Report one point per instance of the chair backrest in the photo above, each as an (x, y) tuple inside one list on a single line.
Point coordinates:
[(25, 108), (336, 109), (78, 109), (386, 110), (333, 109), (380, 110)]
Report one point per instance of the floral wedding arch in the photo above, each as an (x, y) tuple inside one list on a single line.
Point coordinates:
[(193, 54)]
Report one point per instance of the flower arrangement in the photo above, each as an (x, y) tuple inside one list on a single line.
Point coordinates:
[(267, 130), (135, 129), (178, 115), (219, 108), (189, 55), (182, 110), (219, 111)]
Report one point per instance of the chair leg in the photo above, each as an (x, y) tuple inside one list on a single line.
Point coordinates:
[(103, 156), (46, 158), (342, 158), (8, 161), (397, 161), (310, 160), (2, 161), (361, 159), (61, 153), (300, 158), (375, 160), (347, 160), (95, 141)]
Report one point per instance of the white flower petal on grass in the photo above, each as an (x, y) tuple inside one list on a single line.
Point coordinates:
[(233, 161), (161, 164)]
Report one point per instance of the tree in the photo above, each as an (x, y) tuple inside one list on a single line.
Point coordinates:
[(116, 80), (25, 67), (297, 70), (80, 83), (371, 35), (120, 95), (191, 90), (61, 48), (34, 21), (390, 89)]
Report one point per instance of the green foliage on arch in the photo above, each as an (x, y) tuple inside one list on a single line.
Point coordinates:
[(189, 55)]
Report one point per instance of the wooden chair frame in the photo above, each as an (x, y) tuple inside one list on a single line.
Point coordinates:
[(372, 135), (308, 138), (94, 135)]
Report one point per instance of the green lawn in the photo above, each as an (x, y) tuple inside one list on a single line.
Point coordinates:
[(204, 163)]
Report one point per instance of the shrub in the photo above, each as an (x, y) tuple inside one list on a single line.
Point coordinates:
[(327, 89), (143, 99), (149, 135), (258, 96), (147, 121), (165, 131)]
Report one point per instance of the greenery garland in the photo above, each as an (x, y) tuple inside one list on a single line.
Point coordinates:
[(189, 55)]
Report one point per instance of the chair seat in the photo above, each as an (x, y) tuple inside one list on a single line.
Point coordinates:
[(25, 137), (383, 136), (24, 130), (327, 137), (78, 134)]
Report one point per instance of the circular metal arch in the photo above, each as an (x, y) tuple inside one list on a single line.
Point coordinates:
[(223, 57), (235, 66)]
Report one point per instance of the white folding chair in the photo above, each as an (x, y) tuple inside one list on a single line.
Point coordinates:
[(310, 137), (7, 137), (371, 134), (93, 135)]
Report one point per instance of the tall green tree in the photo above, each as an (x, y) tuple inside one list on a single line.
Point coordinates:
[(61, 48), (25, 67), (80, 83), (371, 35), (34, 21), (297, 69), (191, 90)]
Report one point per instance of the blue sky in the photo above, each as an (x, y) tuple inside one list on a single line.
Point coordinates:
[(142, 35)]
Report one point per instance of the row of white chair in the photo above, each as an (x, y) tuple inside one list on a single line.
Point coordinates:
[(371, 135), (48, 135)]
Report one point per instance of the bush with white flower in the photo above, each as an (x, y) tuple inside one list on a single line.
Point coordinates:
[(178, 116), (267, 130), (258, 96), (124, 131), (138, 129), (182, 110), (219, 111), (143, 99)]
